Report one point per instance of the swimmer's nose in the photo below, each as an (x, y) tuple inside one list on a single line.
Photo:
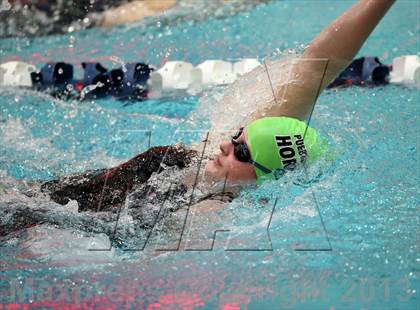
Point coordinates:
[(225, 148)]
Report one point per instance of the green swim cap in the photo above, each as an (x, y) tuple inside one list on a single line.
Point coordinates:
[(277, 144)]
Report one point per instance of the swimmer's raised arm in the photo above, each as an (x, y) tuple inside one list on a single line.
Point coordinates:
[(330, 52)]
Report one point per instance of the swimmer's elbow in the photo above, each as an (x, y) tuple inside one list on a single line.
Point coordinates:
[(318, 51)]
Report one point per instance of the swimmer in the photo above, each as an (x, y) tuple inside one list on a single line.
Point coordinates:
[(275, 139), (133, 11)]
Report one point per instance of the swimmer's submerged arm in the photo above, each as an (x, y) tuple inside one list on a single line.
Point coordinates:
[(327, 55)]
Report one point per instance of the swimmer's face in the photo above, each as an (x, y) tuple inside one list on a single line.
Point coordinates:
[(226, 165)]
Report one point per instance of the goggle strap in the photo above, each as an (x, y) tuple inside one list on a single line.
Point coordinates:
[(261, 167)]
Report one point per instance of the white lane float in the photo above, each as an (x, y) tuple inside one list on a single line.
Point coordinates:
[(173, 75), (245, 65), (406, 70), (180, 75), (216, 72), (16, 73)]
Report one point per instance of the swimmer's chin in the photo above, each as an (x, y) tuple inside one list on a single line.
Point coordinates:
[(210, 170)]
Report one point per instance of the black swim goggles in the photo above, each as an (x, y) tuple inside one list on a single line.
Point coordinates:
[(242, 153)]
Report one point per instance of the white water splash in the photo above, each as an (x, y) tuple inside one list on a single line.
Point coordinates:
[(69, 245), (88, 89), (119, 61), (16, 138), (235, 106), (5, 5)]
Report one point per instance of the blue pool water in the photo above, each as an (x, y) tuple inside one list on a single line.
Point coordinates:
[(366, 257)]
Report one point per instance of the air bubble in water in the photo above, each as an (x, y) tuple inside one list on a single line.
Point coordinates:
[(89, 88), (72, 39)]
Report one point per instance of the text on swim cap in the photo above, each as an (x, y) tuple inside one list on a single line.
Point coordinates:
[(300, 147), (287, 152)]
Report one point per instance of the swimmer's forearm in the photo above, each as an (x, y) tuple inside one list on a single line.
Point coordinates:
[(343, 38), (338, 44)]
